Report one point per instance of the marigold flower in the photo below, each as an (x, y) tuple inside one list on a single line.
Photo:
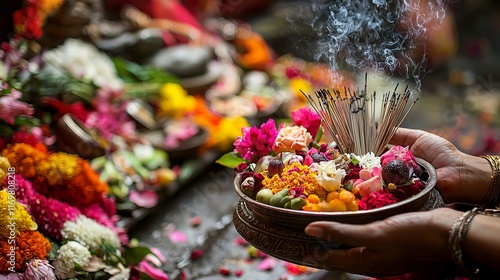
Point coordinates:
[(68, 255), (24, 158), (295, 175), (229, 128), (84, 188), (29, 245), (12, 212), (4, 166), (59, 167)]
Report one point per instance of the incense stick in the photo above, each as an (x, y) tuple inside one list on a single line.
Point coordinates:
[(351, 118)]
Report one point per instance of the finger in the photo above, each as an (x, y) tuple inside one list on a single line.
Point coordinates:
[(345, 234), (406, 137), (359, 260)]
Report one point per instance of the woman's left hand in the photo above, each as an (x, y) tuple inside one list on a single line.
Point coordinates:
[(394, 246)]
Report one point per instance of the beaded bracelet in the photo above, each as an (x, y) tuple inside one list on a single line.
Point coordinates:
[(492, 197), (456, 241)]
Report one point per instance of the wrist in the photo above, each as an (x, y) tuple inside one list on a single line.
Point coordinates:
[(476, 179), (441, 222)]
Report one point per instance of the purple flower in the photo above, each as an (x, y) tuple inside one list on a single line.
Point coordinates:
[(254, 142), (307, 118)]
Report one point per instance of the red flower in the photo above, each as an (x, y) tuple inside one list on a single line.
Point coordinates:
[(376, 200)]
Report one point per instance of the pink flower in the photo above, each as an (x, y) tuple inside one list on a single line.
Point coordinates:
[(146, 199), (307, 118), (24, 190), (51, 214), (399, 152), (149, 270), (254, 142), (39, 269), (292, 139), (10, 107)]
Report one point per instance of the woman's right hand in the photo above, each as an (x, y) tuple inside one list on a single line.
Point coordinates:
[(461, 177)]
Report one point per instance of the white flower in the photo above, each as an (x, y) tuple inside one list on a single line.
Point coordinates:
[(3, 71), (69, 254), (84, 61), (89, 233), (119, 272), (328, 175), (369, 161)]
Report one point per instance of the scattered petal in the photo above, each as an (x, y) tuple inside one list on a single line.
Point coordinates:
[(146, 199), (240, 241), (238, 273), (196, 254), (224, 271), (267, 264), (177, 236), (158, 254), (195, 221), (154, 273)]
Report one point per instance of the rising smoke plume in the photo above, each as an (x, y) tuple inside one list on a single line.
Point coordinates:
[(375, 35)]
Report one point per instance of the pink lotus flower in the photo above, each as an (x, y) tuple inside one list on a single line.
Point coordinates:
[(307, 118), (10, 107), (399, 152), (255, 143)]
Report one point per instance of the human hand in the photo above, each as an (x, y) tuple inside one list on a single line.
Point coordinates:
[(397, 245), (461, 177)]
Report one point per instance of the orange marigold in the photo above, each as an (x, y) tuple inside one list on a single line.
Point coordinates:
[(295, 175), (25, 158), (83, 189), (29, 245)]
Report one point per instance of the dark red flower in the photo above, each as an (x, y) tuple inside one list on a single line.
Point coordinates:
[(376, 200)]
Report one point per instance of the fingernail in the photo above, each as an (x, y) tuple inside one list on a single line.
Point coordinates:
[(314, 231)]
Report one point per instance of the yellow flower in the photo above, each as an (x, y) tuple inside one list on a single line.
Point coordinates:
[(59, 167), (175, 101), (295, 175), (297, 85), (13, 216), (4, 166), (227, 131)]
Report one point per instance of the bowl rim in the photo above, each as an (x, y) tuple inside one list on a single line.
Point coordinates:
[(431, 183)]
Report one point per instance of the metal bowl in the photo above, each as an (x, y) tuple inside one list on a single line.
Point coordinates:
[(279, 232)]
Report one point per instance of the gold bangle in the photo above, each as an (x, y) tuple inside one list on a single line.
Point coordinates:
[(456, 243), (492, 197)]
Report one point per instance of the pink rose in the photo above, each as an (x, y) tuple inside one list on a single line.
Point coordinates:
[(291, 139)]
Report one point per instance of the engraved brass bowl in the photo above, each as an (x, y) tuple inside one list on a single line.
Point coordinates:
[(279, 232)]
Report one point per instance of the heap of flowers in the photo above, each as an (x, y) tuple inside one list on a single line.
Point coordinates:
[(288, 166), (58, 220)]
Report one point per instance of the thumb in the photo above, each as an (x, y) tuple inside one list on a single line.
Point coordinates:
[(344, 234)]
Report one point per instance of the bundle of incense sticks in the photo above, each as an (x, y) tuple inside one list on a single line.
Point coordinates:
[(354, 121)]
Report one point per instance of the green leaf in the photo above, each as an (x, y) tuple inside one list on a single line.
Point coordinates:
[(354, 160), (319, 134), (135, 255), (231, 160)]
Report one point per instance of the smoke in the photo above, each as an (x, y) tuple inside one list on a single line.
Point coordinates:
[(377, 35)]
